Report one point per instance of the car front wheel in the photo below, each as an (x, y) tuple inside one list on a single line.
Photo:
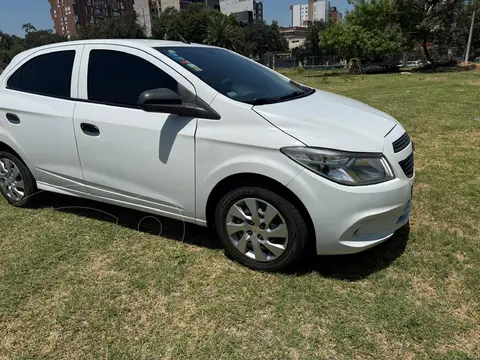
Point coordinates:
[(261, 229)]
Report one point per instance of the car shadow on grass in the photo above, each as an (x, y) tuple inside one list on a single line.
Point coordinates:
[(353, 267), (358, 266), (132, 219)]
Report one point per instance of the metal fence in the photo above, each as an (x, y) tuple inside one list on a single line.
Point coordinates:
[(285, 61), (317, 65)]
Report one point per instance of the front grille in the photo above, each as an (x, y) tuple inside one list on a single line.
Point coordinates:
[(401, 143), (407, 165)]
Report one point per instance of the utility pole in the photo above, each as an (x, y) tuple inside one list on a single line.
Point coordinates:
[(467, 55)]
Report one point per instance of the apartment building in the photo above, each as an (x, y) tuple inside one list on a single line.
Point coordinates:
[(64, 17), (244, 10), (70, 15), (295, 36), (147, 13), (302, 14)]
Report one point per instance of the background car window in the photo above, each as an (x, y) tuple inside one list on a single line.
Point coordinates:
[(116, 77), (49, 74)]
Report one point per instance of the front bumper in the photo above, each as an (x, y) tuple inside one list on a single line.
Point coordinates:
[(349, 219)]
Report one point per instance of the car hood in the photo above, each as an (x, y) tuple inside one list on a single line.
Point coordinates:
[(331, 121)]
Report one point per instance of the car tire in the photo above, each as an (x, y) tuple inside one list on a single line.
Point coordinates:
[(17, 183), (256, 247)]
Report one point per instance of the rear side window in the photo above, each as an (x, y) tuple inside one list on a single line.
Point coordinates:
[(118, 78), (49, 74)]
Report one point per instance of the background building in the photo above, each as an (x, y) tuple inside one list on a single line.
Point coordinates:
[(335, 14), (147, 12), (295, 35), (64, 17), (301, 15), (178, 4), (70, 15), (244, 10)]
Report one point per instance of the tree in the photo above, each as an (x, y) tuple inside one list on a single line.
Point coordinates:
[(189, 24), (354, 41), (264, 38), (474, 9), (312, 41), (10, 45), (312, 45), (35, 38), (125, 27), (164, 27), (423, 19), (221, 31), (374, 14)]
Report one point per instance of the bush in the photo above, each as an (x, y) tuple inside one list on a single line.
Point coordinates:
[(300, 70)]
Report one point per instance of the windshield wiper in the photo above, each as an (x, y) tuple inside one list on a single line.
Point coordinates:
[(293, 95), (265, 101)]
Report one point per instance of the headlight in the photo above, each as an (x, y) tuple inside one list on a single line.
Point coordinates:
[(343, 167)]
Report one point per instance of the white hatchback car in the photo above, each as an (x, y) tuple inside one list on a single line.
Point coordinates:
[(207, 136)]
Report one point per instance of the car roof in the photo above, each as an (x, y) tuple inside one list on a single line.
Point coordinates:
[(128, 42), (145, 44)]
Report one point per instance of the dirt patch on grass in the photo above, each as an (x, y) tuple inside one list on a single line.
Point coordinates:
[(423, 289), (468, 343)]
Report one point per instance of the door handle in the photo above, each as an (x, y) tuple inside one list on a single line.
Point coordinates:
[(89, 129), (13, 118)]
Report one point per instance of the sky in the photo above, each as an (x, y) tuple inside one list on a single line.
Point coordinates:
[(15, 13)]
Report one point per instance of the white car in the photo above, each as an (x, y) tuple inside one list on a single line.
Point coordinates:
[(207, 136)]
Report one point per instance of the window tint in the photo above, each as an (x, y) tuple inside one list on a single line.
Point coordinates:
[(233, 75), (119, 78), (49, 74)]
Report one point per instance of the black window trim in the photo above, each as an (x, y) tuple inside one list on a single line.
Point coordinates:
[(36, 54), (40, 94), (107, 104), (79, 99)]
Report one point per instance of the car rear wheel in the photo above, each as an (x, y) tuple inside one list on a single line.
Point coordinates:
[(261, 229), (17, 183)]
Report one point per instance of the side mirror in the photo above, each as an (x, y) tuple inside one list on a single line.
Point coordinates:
[(167, 101)]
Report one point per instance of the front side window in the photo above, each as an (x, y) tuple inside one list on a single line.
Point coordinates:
[(49, 74), (235, 76), (118, 78)]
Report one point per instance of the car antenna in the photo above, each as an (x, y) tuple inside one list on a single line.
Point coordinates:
[(185, 41)]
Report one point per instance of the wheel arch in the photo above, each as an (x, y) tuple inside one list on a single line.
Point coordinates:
[(8, 148), (252, 179)]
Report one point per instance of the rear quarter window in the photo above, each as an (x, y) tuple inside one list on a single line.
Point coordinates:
[(48, 74)]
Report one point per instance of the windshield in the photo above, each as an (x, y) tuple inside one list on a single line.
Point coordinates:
[(235, 76)]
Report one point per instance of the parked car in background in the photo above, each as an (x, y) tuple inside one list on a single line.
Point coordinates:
[(204, 135)]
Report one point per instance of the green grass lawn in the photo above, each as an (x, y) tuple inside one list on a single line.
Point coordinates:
[(79, 283)]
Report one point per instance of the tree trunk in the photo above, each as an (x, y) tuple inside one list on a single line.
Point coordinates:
[(425, 48), (467, 55)]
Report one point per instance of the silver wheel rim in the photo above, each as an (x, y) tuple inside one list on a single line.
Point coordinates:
[(11, 180), (257, 229)]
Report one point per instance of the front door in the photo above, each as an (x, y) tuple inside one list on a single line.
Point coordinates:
[(129, 155)]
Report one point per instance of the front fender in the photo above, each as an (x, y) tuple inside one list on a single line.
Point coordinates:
[(276, 167)]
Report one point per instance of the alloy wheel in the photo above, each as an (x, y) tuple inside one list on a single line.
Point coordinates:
[(11, 180), (257, 229)]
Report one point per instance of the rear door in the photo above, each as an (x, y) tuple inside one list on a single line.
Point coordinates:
[(37, 111), (129, 155)]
